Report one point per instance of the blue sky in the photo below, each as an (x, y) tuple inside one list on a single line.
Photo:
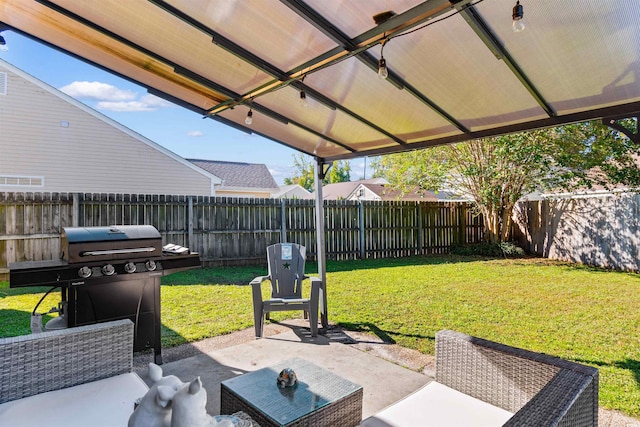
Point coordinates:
[(175, 128)]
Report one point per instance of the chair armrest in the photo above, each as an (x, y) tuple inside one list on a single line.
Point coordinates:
[(258, 280), (316, 283), (535, 387), (46, 361), (570, 398)]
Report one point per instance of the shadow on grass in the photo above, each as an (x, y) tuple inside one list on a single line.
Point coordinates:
[(628, 364), (384, 335), (6, 291), (17, 322), (242, 275)]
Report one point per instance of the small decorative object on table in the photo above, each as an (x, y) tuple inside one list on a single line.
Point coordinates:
[(287, 378)]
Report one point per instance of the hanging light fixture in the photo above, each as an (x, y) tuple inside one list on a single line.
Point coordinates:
[(517, 14), (383, 72), (303, 95), (3, 44), (303, 98), (249, 119)]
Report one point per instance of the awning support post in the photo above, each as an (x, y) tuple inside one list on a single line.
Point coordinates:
[(321, 169)]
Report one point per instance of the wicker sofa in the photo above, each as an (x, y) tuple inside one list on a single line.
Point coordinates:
[(480, 382), (74, 376)]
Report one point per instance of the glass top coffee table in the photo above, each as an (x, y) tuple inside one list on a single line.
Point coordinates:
[(320, 398)]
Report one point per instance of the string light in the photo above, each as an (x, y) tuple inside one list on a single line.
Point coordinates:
[(303, 95), (249, 118), (517, 14), (303, 98), (3, 44), (383, 72)]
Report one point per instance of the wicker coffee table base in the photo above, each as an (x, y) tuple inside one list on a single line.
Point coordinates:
[(343, 412)]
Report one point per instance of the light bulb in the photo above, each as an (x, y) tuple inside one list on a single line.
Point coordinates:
[(303, 99), (517, 14), (383, 72), (3, 45), (249, 118), (518, 26)]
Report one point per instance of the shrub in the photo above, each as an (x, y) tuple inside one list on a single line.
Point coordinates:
[(493, 250)]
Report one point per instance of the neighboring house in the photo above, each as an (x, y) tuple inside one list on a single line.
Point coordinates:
[(372, 189), (342, 190), (368, 191), (294, 191), (50, 142), (240, 179)]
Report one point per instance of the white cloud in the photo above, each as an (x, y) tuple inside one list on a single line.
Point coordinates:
[(280, 172), (124, 106), (97, 90), (194, 133), (113, 99), (154, 101)]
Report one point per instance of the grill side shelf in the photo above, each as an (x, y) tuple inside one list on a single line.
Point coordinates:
[(38, 273)]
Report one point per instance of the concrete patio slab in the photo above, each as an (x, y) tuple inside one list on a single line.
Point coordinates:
[(386, 372), (383, 382)]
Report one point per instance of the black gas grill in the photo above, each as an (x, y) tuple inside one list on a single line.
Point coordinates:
[(110, 273)]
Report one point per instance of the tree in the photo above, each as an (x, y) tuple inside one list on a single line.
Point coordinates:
[(496, 172), (305, 172)]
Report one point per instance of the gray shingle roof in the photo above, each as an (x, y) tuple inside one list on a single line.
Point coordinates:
[(238, 174)]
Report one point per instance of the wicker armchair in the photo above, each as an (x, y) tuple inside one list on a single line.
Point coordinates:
[(535, 389), (37, 363)]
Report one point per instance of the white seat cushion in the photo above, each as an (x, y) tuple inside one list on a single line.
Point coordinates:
[(438, 405), (107, 402)]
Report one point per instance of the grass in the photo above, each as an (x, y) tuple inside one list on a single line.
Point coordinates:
[(575, 312)]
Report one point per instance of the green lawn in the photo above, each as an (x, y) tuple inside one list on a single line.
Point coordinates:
[(579, 313)]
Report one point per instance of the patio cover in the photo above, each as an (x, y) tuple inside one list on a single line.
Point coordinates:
[(463, 75), (456, 69)]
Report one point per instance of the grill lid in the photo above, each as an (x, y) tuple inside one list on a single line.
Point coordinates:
[(106, 234), (122, 242)]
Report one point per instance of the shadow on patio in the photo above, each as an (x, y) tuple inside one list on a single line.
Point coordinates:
[(228, 356)]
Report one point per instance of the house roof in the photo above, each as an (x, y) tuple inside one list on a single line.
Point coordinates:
[(387, 193), (294, 189), (239, 175), (456, 69), (342, 190)]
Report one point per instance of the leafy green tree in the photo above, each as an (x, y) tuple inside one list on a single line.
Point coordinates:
[(305, 172), (496, 172)]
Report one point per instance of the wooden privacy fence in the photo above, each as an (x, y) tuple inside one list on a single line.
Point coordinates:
[(600, 229), (236, 230)]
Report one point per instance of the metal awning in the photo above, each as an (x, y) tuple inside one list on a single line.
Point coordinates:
[(456, 69)]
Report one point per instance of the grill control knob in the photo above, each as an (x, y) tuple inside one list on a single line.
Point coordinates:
[(151, 265), (130, 267), (108, 270), (84, 272)]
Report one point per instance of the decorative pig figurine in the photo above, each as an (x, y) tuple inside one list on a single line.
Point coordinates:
[(189, 408), (287, 378), (154, 409)]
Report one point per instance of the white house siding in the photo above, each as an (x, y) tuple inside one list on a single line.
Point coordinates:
[(44, 133)]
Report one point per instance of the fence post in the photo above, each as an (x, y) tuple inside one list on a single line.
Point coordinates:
[(190, 221), (420, 236), (75, 210), (283, 220), (463, 224), (361, 228)]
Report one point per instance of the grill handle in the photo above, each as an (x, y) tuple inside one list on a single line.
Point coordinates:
[(118, 251)]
